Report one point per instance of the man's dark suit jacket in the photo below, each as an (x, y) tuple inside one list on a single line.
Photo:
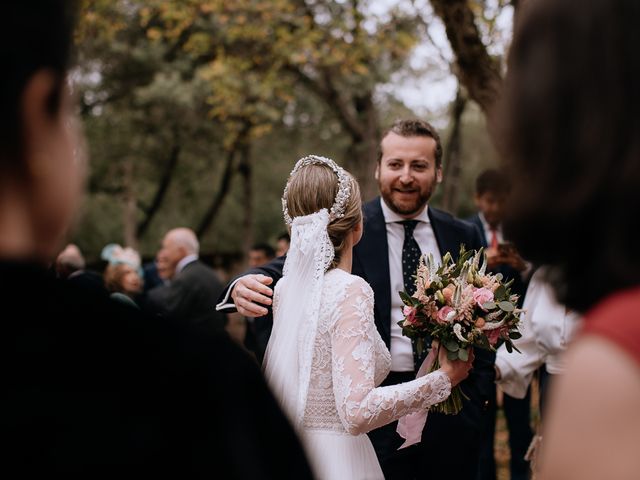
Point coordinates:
[(190, 296), (445, 437), (449, 441), (519, 286), (94, 389)]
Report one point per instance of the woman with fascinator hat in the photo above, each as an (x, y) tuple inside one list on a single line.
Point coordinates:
[(123, 276), (325, 356)]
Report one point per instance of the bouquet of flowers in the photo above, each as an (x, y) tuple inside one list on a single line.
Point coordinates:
[(460, 305)]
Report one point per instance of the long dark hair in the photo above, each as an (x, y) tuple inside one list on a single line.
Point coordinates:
[(35, 34), (572, 129)]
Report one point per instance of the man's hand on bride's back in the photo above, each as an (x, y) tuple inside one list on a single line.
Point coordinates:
[(250, 293), (456, 370)]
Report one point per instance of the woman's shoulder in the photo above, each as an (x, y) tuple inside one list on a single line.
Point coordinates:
[(617, 318), (351, 283)]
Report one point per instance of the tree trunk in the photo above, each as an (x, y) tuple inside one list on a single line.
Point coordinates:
[(246, 172), (218, 199), (358, 117), (225, 182), (452, 156), (129, 214), (163, 186), (475, 68), (362, 154)]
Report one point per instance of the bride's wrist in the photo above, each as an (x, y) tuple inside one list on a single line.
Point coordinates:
[(448, 372)]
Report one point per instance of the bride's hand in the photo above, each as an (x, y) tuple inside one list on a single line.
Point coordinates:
[(456, 370)]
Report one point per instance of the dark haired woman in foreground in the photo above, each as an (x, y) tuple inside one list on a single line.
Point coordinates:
[(90, 388), (572, 106)]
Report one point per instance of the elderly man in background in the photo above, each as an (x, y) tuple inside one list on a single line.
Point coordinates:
[(71, 266), (193, 286), (69, 261)]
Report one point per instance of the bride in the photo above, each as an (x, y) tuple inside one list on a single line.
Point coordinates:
[(325, 357)]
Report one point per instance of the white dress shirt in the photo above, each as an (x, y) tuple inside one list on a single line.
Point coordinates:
[(401, 349), (184, 262), (487, 230), (546, 327)]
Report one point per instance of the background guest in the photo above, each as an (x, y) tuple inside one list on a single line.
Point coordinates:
[(260, 254), (547, 328), (69, 261), (491, 195), (71, 265), (192, 284), (283, 244), (123, 276)]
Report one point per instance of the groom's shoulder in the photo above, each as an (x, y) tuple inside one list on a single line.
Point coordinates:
[(372, 207), (447, 218)]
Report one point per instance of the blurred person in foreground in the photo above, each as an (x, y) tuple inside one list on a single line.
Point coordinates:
[(90, 388), (572, 134)]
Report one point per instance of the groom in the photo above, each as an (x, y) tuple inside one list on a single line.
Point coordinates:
[(399, 225)]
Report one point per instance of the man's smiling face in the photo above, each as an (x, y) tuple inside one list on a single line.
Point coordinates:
[(407, 174)]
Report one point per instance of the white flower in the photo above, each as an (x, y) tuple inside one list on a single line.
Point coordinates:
[(457, 330), (493, 325)]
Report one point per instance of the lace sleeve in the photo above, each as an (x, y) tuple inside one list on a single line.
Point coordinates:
[(361, 406)]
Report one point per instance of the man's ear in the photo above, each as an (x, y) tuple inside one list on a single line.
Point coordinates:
[(439, 175), (376, 174), (39, 124)]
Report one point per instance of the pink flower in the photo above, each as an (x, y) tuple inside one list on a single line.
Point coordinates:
[(410, 314), (422, 298), (448, 292), (482, 296), (446, 314), (493, 336)]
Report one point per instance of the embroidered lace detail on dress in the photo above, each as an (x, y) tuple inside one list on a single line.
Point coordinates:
[(350, 360)]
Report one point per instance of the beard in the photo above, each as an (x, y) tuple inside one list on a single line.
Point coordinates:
[(407, 201)]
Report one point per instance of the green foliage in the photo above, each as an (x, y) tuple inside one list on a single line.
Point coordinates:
[(286, 77)]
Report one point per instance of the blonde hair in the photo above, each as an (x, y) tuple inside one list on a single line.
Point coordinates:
[(114, 275), (314, 187)]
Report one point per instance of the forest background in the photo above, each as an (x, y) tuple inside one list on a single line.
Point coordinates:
[(195, 111)]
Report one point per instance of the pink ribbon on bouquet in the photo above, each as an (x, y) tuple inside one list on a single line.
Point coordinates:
[(410, 426)]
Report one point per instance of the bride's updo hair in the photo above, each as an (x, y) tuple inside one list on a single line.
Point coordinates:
[(314, 187)]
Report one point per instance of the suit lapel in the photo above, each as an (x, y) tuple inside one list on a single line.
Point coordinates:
[(476, 220), (371, 257), (446, 233)]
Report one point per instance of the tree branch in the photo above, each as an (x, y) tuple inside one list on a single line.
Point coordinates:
[(453, 160), (225, 183), (478, 71), (163, 186)]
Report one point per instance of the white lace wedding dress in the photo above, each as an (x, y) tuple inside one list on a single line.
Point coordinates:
[(349, 361)]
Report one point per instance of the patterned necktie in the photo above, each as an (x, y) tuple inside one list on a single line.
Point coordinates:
[(410, 256), (410, 259)]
